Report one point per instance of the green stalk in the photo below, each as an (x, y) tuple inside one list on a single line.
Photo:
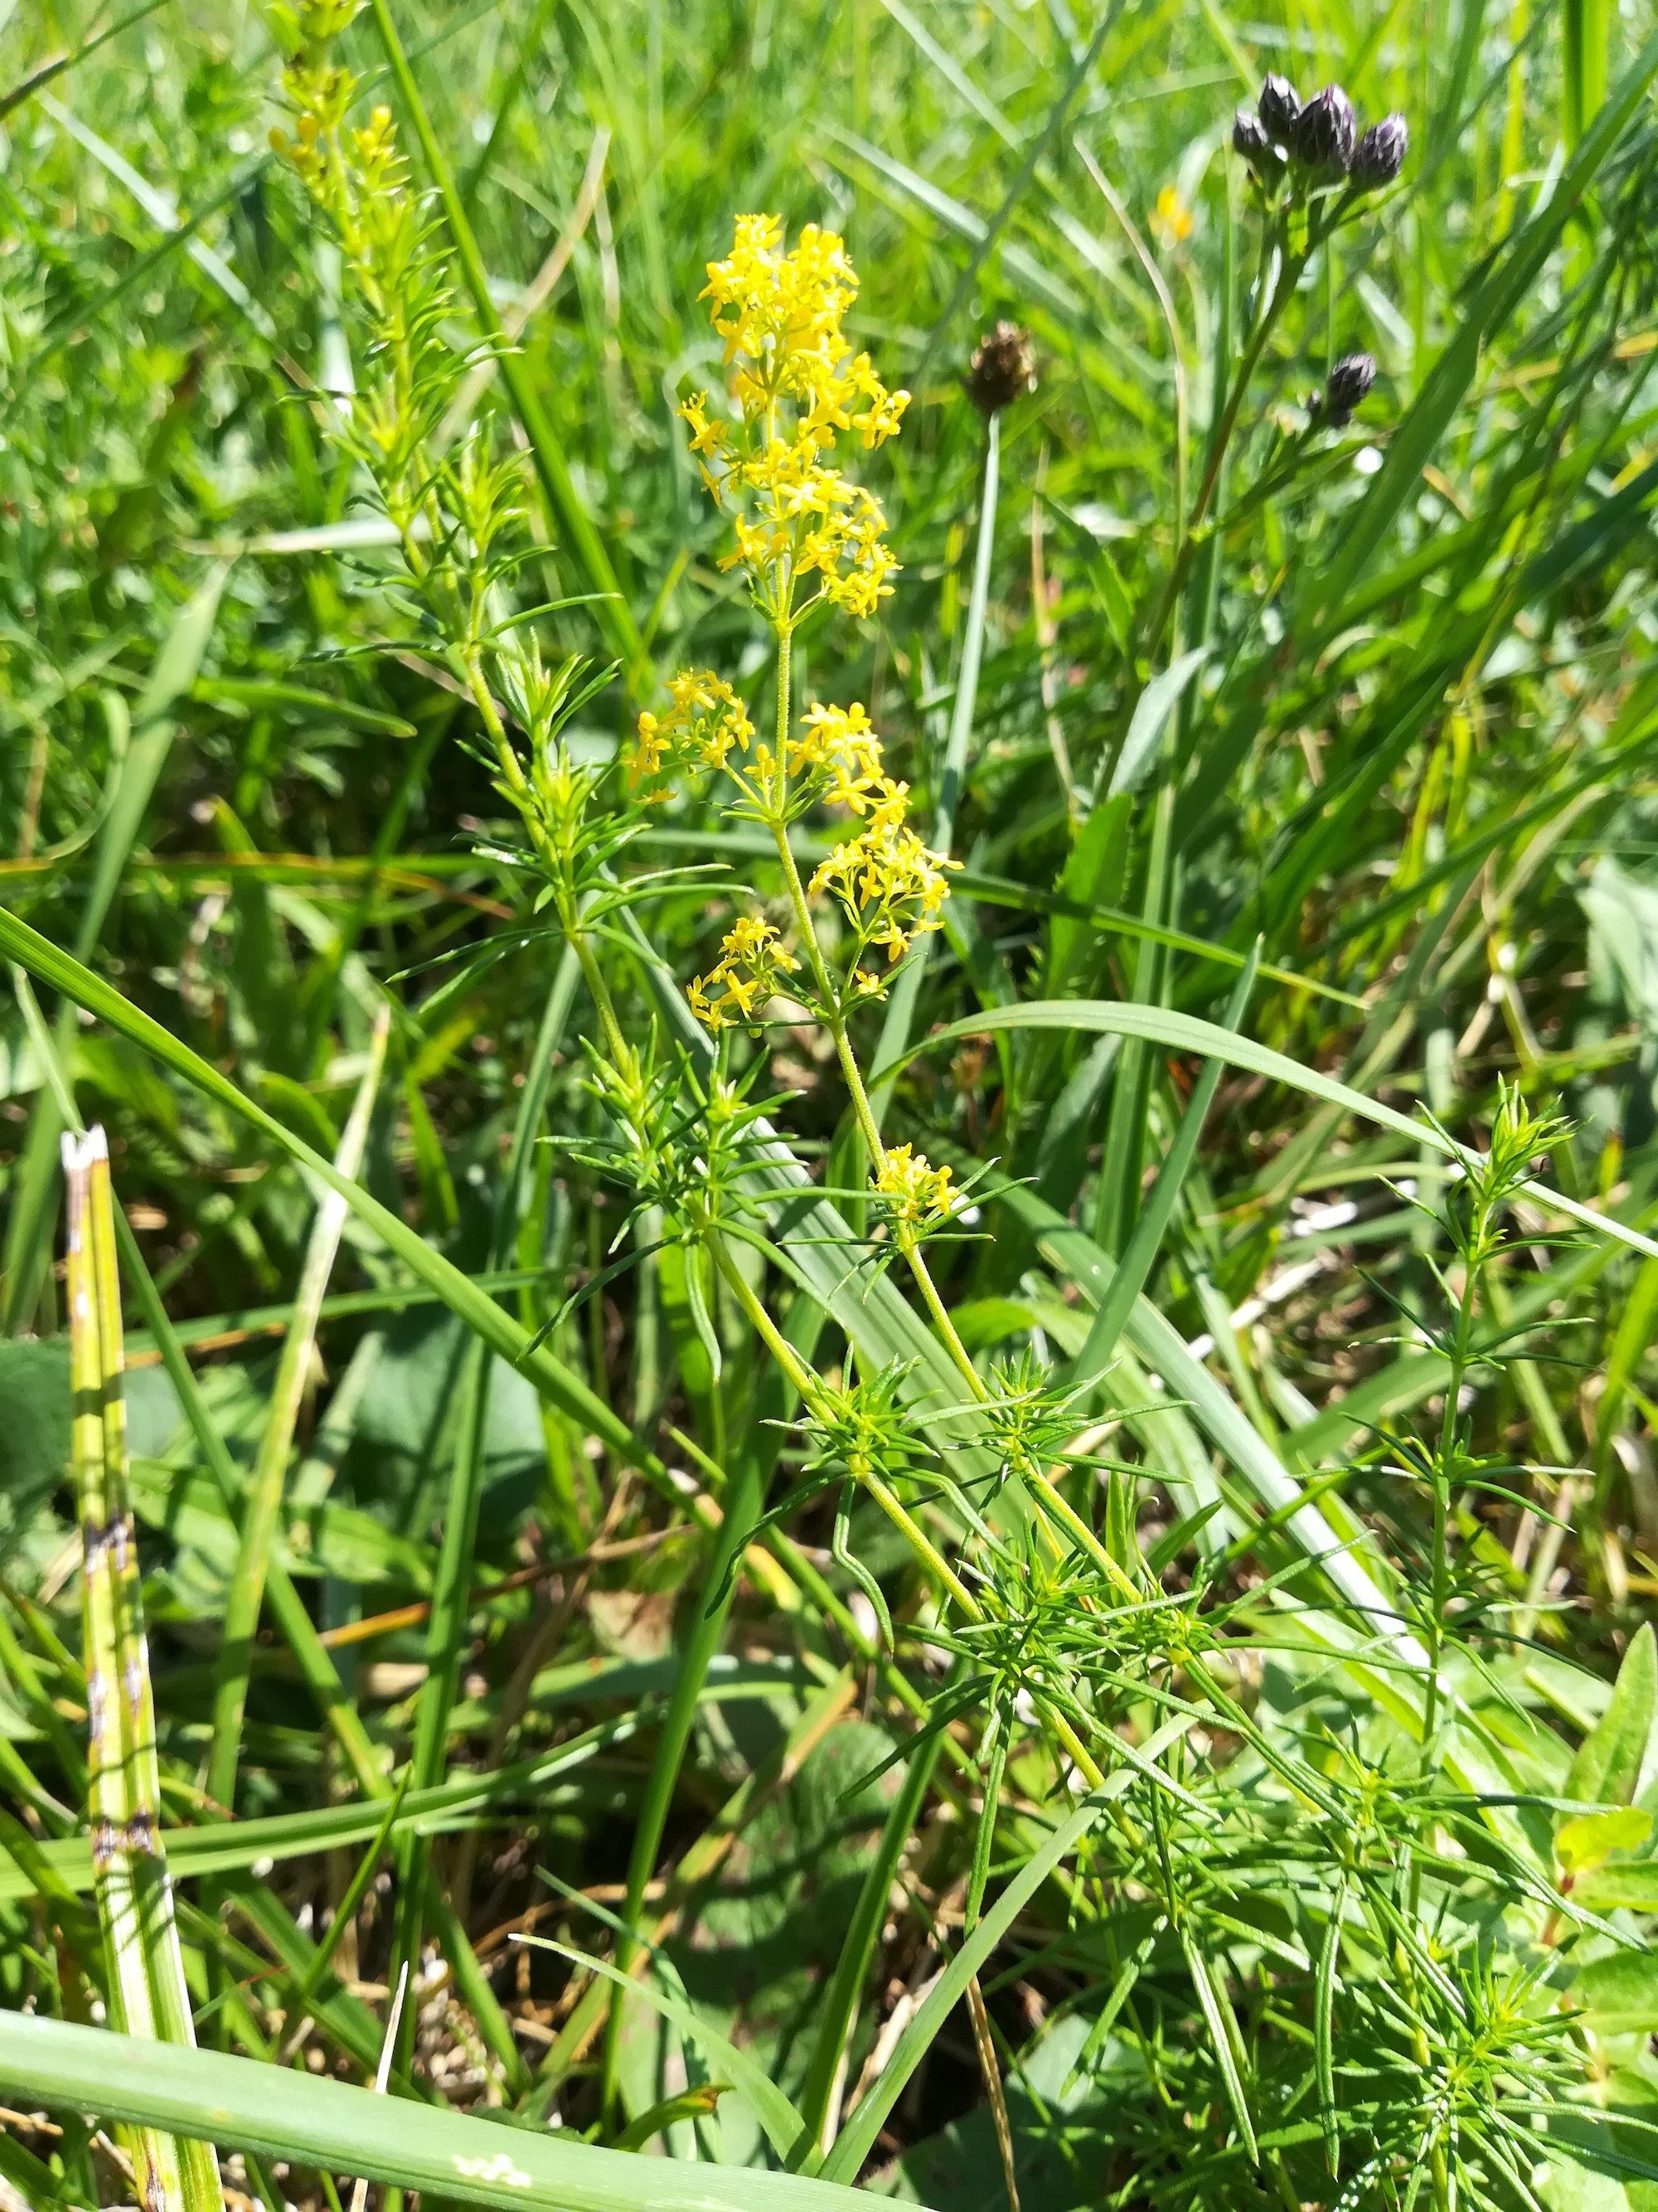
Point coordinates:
[(900, 1005), (420, 1895), (147, 1994), (261, 1510), (839, 2009), (1440, 1581), (615, 615)]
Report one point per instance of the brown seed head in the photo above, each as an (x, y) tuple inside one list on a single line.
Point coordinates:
[(1004, 365)]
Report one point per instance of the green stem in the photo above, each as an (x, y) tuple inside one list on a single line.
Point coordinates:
[(1289, 276), (812, 1394), (1439, 1591), (615, 614)]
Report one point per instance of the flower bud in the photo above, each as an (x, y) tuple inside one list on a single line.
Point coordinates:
[(1380, 154), (1249, 138), (1004, 365), (1324, 134), (1278, 108), (1349, 379)]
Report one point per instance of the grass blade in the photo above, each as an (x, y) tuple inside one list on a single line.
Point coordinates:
[(1136, 1261), (776, 2115), (857, 2140), (1495, 301), (263, 1504), (839, 2010), (174, 671), (1179, 1032), (286, 2114), (479, 1312), (1220, 2039)]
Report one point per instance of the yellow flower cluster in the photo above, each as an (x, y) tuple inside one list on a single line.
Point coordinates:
[(838, 748), (797, 386), (890, 885), (704, 723), (752, 963), (917, 1193), (832, 758)]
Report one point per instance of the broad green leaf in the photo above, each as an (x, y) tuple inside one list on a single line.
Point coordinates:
[(1583, 1845), (1608, 1764), (1619, 1994), (1631, 1883)]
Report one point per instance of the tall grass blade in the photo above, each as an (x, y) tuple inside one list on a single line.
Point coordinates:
[(151, 740), (856, 2139), (263, 1504), (324, 2124)]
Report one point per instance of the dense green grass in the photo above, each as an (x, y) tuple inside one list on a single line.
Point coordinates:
[(1193, 1775)]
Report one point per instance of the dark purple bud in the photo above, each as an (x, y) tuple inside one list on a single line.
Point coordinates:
[(1380, 154), (1279, 109), (1348, 381), (1249, 138), (1003, 366), (1326, 133)]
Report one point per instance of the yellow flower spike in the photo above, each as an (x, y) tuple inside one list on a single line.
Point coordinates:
[(799, 387)]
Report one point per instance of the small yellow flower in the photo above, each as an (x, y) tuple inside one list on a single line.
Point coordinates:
[(1171, 219), (706, 437), (752, 963), (888, 884), (706, 721), (917, 1193), (840, 747)]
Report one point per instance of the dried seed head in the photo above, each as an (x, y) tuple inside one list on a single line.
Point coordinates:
[(1326, 133), (1349, 379), (1380, 154), (1279, 110), (1004, 365)]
